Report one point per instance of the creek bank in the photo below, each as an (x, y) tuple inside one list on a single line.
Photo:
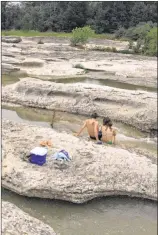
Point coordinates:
[(129, 107), (94, 171), (17, 222)]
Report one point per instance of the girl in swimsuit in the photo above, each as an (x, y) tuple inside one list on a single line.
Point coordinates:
[(108, 132)]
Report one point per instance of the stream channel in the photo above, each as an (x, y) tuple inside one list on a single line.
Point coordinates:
[(102, 216), (15, 77)]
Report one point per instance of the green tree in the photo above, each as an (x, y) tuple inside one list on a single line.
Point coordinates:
[(75, 15), (103, 17), (3, 15)]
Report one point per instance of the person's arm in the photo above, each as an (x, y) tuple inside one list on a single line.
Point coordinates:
[(82, 128)]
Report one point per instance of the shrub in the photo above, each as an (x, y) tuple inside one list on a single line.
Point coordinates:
[(125, 52), (81, 35), (130, 45), (120, 32), (138, 47), (138, 32), (106, 49), (150, 44), (113, 49), (79, 66)]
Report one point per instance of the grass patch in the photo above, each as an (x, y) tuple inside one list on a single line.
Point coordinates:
[(33, 33)]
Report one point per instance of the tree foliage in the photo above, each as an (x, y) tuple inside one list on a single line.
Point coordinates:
[(103, 17), (150, 44)]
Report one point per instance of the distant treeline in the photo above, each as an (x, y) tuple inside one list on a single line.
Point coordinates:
[(103, 17)]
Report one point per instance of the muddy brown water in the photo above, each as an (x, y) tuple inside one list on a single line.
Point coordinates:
[(104, 216)]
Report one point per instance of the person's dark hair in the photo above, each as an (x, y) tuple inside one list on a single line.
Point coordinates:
[(109, 124), (94, 115), (106, 120)]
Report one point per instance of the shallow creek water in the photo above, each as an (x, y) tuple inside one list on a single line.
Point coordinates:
[(7, 79), (104, 216), (127, 137), (15, 77), (105, 82)]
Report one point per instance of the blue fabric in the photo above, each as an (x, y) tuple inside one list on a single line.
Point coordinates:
[(64, 152), (61, 156)]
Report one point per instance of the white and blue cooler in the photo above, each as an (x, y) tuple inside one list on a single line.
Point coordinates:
[(38, 155)]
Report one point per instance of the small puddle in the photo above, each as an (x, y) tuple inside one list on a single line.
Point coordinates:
[(127, 137), (7, 79), (104, 216)]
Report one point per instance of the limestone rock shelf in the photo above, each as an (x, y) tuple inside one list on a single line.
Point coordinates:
[(135, 108), (17, 222), (94, 171)]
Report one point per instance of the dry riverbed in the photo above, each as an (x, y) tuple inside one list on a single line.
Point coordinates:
[(56, 58)]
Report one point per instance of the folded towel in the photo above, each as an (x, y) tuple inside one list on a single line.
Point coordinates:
[(61, 156)]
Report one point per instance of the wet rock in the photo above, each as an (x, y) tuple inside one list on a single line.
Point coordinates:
[(8, 68), (32, 62), (17, 222), (94, 171), (11, 39), (130, 107)]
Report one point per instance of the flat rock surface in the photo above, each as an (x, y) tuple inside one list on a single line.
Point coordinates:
[(136, 108), (132, 69), (17, 222), (94, 171)]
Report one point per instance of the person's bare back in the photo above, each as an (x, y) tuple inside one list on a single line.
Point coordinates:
[(108, 134), (92, 127)]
